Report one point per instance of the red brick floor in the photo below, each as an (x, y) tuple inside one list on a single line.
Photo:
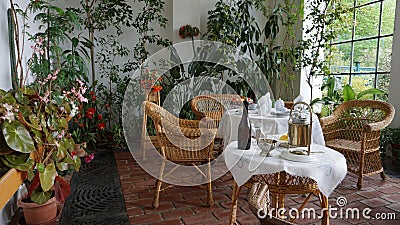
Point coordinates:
[(186, 205)]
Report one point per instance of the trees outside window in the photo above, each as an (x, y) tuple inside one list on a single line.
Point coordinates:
[(360, 55)]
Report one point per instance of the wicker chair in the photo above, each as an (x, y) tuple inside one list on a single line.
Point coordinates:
[(354, 130), (259, 204), (213, 106), (279, 185), (168, 128)]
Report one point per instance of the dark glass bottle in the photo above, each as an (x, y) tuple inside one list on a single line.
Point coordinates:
[(244, 130)]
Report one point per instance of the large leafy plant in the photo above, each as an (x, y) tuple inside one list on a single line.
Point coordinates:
[(334, 94), (35, 135)]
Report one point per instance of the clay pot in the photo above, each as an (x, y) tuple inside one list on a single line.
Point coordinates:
[(39, 214), (80, 149)]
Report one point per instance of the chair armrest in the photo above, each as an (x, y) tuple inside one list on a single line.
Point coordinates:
[(191, 128), (327, 120), (375, 126)]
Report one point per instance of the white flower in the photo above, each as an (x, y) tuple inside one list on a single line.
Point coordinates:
[(9, 116), (8, 107), (74, 109)]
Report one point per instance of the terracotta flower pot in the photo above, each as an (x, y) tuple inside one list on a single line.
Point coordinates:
[(39, 214), (80, 149)]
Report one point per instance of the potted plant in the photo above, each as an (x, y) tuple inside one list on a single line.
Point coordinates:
[(36, 140), (84, 127)]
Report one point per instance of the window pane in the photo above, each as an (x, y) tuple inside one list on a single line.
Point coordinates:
[(362, 82), (389, 7), (383, 84), (344, 26), (365, 56), (367, 20), (340, 58), (344, 79), (362, 2), (385, 54)]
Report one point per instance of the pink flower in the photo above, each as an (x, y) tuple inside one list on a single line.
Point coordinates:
[(61, 135), (45, 98), (80, 82), (89, 158), (40, 41)]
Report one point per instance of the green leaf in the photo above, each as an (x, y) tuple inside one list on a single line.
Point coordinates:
[(75, 42), (4, 148), (34, 121), (25, 110), (30, 174), (18, 137), (17, 158), (19, 96), (62, 166), (62, 123), (37, 136), (22, 167), (348, 93), (9, 98), (47, 177), (372, 91), (40, 197)]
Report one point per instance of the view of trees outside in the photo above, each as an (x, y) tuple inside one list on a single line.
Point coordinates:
[(370, 66)]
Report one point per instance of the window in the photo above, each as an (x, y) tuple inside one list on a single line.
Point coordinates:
[(361, 53)]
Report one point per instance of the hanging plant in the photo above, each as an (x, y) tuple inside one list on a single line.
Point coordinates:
[(187, 31)]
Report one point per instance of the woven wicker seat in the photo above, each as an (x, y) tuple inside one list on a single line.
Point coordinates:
[(259, 204), (213, 106), (354, 130), (279, 185), (177, 149)]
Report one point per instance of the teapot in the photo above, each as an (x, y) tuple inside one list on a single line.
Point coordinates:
[(300, 126)]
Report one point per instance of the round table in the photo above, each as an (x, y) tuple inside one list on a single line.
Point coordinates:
[(320, 176)]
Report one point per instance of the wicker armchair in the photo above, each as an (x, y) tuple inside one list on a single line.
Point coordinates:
[(177, 149), (354, 130), (213, 106)]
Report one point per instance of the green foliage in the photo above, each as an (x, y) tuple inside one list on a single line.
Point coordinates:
[(101, 15), (150, 13), (349, 94), (34, 122), (55, 27), (334, 94), (233, 23), (111, 94), (17, 137), (322, 16), (366, 25)]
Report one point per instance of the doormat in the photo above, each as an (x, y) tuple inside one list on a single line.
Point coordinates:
[(96, 196)]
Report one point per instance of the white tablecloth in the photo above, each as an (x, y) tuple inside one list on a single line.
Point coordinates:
[(328, 169), (272, 125)]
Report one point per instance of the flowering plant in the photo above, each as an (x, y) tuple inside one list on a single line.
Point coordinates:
[(35, 135), (87, 123), (151, 81), (187, 31)]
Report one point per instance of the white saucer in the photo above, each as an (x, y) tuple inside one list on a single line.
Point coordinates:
[(280, 113), (297, 158)]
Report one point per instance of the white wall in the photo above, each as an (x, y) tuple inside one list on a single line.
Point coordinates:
[(185, 12), (394, 90), (5, 79)]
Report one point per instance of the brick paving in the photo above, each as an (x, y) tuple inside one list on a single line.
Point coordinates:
[(186, 205)]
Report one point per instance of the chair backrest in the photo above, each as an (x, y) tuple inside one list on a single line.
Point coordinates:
[(213, 105), (181, 139)]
